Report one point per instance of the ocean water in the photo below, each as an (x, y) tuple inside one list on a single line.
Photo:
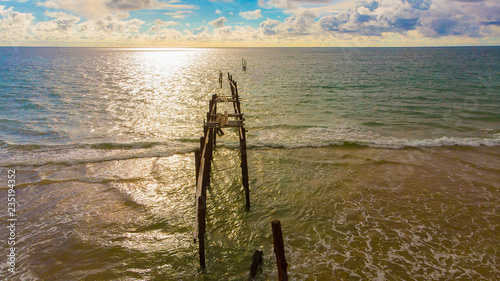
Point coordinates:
[(381, 163)]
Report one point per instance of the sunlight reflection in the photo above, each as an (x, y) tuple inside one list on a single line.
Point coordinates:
[(157, 93)]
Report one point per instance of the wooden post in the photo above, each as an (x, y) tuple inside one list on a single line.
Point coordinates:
[(214, 99), (279, 250), (197, 162), (208, 161), (206, 168), (256, 261), (237, 97), (201, 229), (244, 165)]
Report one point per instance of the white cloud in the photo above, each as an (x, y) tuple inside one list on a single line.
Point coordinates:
[(292, 26), (269, 27), (160, 25), (218, 22), (251, 15), (218, 11), (61, 27), (369, 21), (14, 25), (4, 12), (112, 25)]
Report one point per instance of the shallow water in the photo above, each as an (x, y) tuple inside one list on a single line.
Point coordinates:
[(347, 213), (381, 164)]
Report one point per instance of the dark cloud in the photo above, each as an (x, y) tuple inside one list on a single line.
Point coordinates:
[(495, 22)]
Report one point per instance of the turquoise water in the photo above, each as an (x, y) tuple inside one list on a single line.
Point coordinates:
[(381, 163)]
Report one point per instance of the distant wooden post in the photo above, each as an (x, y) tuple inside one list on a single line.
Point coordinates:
[(279, 250), (220, 79)]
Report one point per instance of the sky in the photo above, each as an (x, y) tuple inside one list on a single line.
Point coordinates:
[(244, 23)]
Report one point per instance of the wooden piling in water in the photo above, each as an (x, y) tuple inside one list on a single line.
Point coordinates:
[(197, 160), (204, 156), (212, 112), (279, 250), (256, 261), (201, 226), (244, 165)]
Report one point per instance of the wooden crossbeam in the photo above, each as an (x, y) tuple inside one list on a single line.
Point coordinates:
[(229, 124), (237, 115), (225, 99)]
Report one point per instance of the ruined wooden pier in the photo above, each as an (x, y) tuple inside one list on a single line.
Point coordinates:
[(203, 157)]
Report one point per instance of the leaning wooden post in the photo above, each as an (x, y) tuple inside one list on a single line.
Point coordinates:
[(197, 161), (244, 165), (237, 97), (279, 250), (214, 99), (208, 159)]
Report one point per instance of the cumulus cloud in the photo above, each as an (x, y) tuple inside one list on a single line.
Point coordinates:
[(14, 25), (431, 18), (219, 23), (366, 20), (292, 26), (373, 18), (159, 25), (251, 15), (62, 23), (112, 24), (4, 12), (199, 30), (269, 26)]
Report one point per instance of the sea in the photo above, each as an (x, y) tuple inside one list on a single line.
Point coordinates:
[(380, 163)]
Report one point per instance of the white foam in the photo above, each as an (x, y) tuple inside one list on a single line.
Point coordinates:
[(345, 135)]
